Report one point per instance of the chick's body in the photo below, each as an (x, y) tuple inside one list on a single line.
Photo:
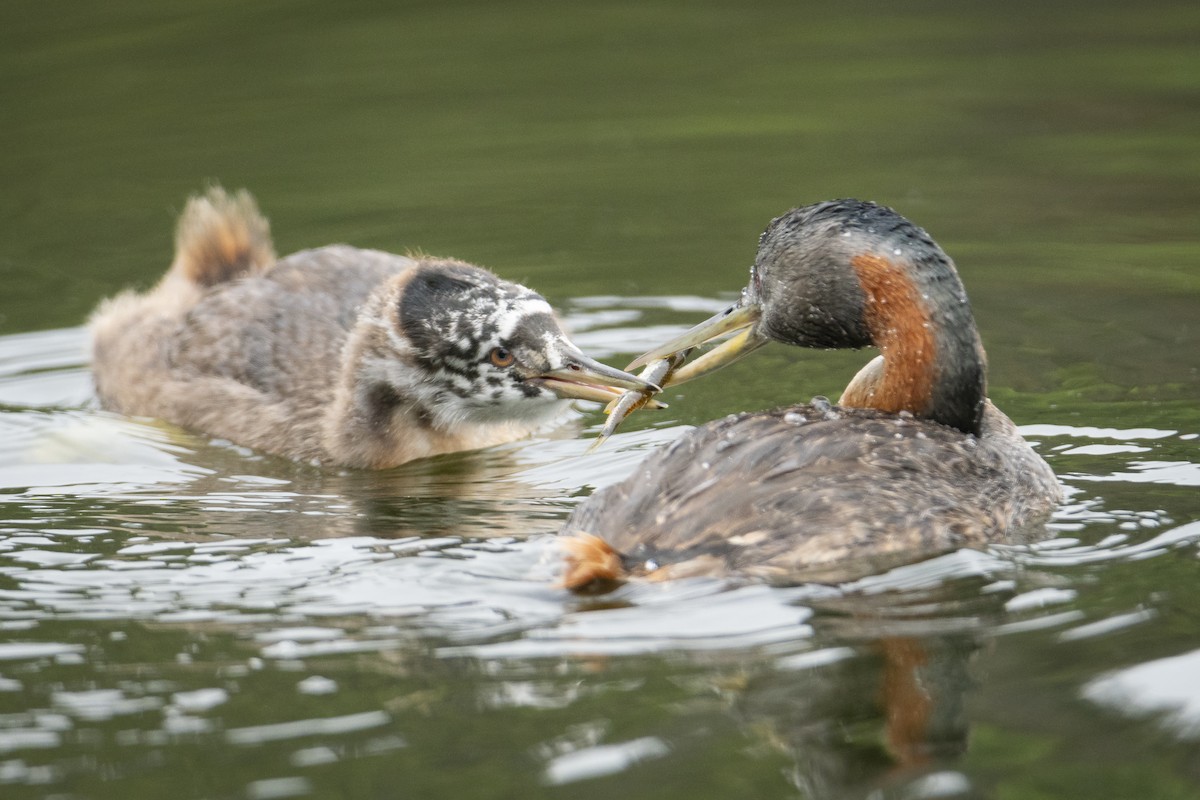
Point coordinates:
[(334, 355)]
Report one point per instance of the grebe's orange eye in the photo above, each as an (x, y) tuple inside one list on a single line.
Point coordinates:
[(501, 357)]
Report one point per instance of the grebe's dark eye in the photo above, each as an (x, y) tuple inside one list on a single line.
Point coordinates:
[(501, 357)]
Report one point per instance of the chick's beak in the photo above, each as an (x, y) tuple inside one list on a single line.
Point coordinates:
[(583, 378), (741, 317)]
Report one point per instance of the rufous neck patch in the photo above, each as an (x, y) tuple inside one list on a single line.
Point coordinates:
[(900, 325)]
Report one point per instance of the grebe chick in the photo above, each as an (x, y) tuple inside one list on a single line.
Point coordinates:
[(335, 355), (915, 460)]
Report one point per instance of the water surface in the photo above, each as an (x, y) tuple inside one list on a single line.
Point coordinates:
[(184, 617)]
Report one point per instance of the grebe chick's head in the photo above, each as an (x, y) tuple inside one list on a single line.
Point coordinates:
[(487, 350), (852, 274)]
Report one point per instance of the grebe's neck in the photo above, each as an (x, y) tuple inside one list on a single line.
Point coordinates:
[(932, 363)]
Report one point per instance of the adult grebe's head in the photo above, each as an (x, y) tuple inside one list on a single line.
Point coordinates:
[(848, 274)]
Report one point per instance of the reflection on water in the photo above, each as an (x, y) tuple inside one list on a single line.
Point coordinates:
[(1164, 687)]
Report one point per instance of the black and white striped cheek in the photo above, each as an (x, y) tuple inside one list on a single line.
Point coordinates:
[(462, 361), (526, 328)]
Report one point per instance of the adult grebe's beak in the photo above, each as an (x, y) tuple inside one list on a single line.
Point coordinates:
[(741, 318), (583, 378)]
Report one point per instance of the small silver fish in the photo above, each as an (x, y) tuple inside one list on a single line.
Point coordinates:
[(656, 372)]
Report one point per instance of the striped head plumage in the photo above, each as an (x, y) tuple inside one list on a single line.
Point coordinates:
[(482, 349)]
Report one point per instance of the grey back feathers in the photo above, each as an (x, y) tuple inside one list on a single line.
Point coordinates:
[(817, 492)]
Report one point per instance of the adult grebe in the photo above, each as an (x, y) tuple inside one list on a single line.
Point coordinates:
[(914, 460), (335, 355)]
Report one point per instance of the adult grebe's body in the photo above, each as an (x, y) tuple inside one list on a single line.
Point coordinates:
[(915, 460), (336, 355)]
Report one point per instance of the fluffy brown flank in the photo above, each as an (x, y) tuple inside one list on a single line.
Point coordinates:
[(592, 565)]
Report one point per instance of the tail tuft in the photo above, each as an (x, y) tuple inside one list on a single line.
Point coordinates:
[(592, 564), (221, 236)]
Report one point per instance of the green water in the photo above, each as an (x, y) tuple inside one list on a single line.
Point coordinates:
[(183, 618)]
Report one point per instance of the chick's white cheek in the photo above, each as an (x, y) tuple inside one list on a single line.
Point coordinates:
[(555, 354)]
